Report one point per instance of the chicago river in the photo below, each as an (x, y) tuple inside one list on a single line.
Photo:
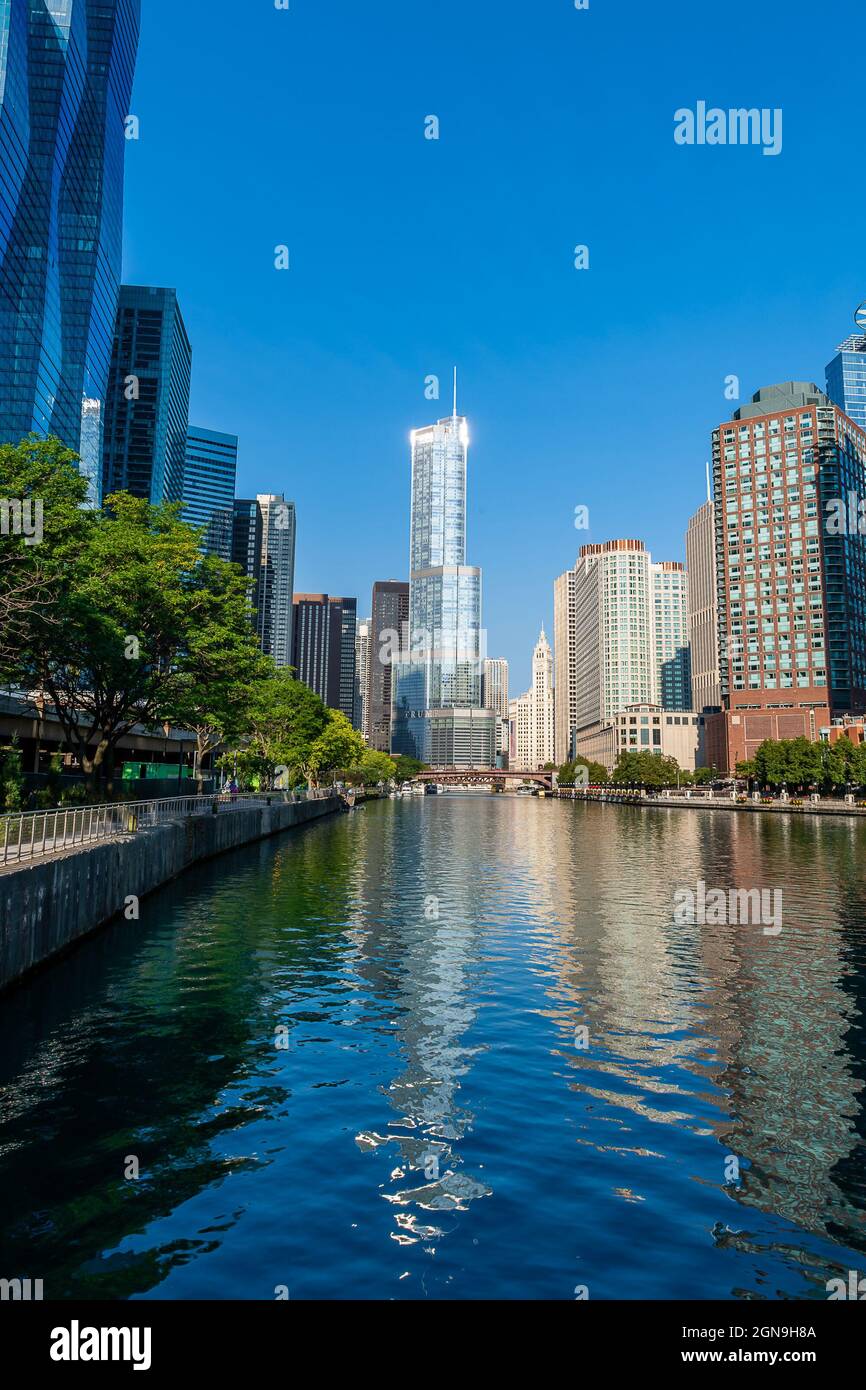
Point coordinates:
[(452, 1047)]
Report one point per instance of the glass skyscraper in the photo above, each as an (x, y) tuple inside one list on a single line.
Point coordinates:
[(671, 618), (437, 712), (210, 469), (846, 378), (274, 595), (147, 411), (66, 70)]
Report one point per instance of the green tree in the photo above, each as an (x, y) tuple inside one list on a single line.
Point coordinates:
[(220, 663), (646, 769), (406, 768), (129, 608), (772, 764), (595, 772), (39, 483), (338, 746), (285, 718), (11, 777), (372, 767)]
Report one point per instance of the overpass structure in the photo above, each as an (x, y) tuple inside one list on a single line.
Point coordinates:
[(485, 776)]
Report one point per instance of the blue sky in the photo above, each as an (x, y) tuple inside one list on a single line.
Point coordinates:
[(600, 388)]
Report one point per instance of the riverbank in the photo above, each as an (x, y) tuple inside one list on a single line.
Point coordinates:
[(49, 904), (717, 803)]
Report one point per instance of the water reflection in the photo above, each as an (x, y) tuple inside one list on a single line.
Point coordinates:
[(436, 1126)]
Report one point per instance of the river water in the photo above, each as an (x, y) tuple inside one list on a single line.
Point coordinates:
[(453, 1047)]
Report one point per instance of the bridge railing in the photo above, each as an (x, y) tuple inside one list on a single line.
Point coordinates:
[(29, 835)]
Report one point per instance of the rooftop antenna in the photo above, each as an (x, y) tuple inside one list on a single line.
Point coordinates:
[(709, 488), (455, 393)]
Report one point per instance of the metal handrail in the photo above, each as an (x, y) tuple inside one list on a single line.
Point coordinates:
[(30, 834)]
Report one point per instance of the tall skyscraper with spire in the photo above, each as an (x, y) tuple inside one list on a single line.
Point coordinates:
[(437, 711)]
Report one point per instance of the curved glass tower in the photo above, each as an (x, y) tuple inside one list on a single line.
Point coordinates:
[(66, 70), (437, 713)]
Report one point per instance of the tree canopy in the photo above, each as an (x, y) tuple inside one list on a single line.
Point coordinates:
[(120, 619), (647, 769)]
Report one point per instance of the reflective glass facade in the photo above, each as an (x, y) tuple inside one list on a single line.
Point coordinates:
[(846, 378), (147, 410), (442, 668), (275, 591), (66, 70), (210, 469)]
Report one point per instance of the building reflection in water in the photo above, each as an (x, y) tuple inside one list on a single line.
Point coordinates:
[(420, 952), (769, 1029)]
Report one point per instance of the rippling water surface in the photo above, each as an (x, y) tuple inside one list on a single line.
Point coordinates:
[(438, 1124)]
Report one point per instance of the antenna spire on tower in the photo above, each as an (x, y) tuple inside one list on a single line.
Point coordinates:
[(455, 393)]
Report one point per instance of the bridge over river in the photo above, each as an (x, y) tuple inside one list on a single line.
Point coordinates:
[(474, 777)]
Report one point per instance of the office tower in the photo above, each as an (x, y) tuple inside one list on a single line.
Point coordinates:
[(210, 468), (846, 378), (362, 670), (788, 470), (438, 716), (494, 696), (147, 407), (324, 648), (246, 545), (671, 627), (534, 713), (520, 721), (65, 82), (494, 685), (703, 609), (565, 663), (219, 533), (621, 626), (90, 448), (274, 594), (614, 630), (543, 742), (388, 637)]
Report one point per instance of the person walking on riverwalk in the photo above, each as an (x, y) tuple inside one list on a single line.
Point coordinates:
[(233, 790)]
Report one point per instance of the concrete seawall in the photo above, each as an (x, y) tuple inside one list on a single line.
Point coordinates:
[(50, 903)]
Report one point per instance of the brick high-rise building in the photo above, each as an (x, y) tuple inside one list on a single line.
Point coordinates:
[(791, 576)]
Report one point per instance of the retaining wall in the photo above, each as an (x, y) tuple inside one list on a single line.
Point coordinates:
[(50, 903)]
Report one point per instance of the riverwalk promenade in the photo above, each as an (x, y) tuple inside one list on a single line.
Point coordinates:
[(69, 878), (704, 800)]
